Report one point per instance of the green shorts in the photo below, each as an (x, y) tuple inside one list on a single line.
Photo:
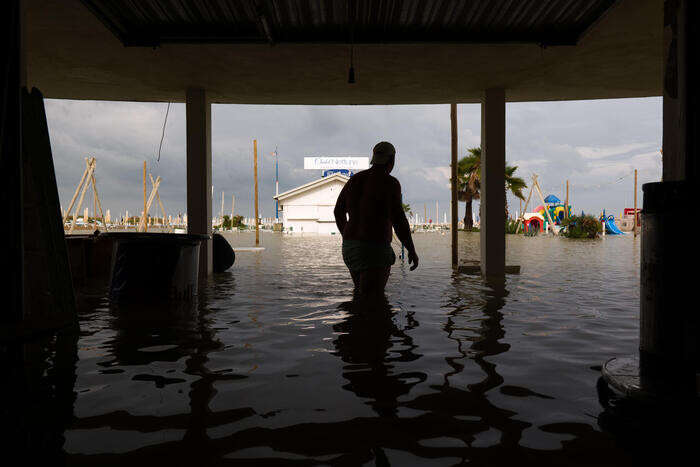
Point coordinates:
[(360, 255)]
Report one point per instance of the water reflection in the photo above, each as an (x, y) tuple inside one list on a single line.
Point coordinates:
[(157, 337), (448, 369), (38, 395), (368, 343)]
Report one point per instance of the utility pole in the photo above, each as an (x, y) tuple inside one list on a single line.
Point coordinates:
[(255, 170), (277, 185), (453, 183), (635, 203), (144, 196)]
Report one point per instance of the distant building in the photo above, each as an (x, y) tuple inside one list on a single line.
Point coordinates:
[(309, 208)]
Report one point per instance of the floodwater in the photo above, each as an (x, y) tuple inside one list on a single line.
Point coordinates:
[(273, 365)]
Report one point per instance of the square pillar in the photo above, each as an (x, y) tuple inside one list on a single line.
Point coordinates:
[(198, 111), (493, 193), (681, 95)]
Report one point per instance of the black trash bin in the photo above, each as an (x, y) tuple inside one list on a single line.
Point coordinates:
[(154, 266)]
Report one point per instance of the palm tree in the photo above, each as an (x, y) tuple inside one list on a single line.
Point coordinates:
[(469, 176), (515, 185), (469, 179)]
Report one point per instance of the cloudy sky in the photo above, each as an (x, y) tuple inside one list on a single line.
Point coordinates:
[(596, 145)]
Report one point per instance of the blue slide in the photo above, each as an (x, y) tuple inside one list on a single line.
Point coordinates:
[(611, 227)]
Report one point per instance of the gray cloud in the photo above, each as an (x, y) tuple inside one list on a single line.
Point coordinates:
[(591, 143)]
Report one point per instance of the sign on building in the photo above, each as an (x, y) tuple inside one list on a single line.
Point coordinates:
[(336, 162)]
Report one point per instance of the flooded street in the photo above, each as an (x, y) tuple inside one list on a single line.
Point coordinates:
[(272, 365)]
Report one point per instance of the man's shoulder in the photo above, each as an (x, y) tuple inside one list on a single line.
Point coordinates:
[(394, 181)]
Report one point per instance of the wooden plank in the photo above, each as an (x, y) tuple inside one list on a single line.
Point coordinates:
[(474, 268), (77, 190), (143, 223), (91, 168)]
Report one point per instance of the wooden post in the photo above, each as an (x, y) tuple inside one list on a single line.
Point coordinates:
[(233, 203), (144, 196), (539, 192), (520, 208), (566, 204), (160, 203), (255, 170), (454, 185), (91, 168), (523, 209), (77, 190), (143, 224), (97, 199), (635, 203)]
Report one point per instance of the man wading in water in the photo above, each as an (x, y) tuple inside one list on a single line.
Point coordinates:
[(372, 201)]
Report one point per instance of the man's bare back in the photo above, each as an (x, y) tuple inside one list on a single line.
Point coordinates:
[(369, 200), (367, 208)]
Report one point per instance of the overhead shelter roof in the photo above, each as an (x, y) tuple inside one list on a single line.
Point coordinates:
[(298, 51), (155, 22)]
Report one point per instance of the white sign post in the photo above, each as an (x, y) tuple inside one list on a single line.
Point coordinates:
[(336, 162)]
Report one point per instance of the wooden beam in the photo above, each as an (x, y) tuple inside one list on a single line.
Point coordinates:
[(143, 223)]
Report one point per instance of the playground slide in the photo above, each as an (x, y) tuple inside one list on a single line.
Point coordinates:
[(611, 228)]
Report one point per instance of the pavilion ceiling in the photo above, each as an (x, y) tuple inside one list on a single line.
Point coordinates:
[(156, 22)]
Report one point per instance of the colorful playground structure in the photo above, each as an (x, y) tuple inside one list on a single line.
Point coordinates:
[(546, 216), (609, 224), (550, 215)]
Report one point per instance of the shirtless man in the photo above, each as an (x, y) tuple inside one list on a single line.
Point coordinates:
[(372, 201)]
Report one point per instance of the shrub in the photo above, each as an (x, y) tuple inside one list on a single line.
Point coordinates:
[(584, 226), (511, 226)]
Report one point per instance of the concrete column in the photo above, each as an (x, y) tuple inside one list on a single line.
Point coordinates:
[(681, 105), (493, 195), (669, 324), (199, 173)]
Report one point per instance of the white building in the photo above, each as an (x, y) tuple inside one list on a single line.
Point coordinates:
[(309, 208)]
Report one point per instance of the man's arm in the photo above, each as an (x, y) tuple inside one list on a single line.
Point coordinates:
[(340, 211), (401, 227)]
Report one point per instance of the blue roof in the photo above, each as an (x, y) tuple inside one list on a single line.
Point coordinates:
[(552, 199)]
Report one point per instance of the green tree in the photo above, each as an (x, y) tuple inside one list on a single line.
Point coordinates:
[(226, 223), (406, 208), (237, 222), (469, 183), (514, 184)]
